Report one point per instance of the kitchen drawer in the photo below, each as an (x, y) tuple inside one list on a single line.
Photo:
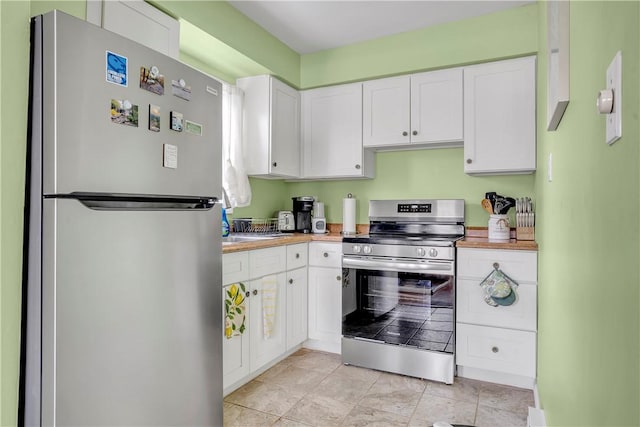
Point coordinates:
[(521, 266), (235, 267), (471, 308), (297, 255), (322, 254), (496, 349), (267, 261)]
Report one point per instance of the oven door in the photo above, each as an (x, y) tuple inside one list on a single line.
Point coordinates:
[(405, 302)]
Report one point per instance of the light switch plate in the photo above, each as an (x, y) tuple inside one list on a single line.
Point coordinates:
[(614, 82)]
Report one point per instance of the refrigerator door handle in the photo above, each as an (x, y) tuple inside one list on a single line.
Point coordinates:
[(136, 202)]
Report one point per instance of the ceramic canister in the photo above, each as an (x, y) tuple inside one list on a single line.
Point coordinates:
[(499, 228)]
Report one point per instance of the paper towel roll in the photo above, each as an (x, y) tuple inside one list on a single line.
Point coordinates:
[(349, 216)]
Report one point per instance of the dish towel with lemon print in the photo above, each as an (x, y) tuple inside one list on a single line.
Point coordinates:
[(234, 310), (269, 302), (499, 289)]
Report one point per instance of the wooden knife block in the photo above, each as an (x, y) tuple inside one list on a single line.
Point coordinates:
[(525, 233)]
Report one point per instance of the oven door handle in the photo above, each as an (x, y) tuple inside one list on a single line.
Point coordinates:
[(400, 266)]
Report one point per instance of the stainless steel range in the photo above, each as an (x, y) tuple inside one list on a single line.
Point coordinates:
[(398, 300)]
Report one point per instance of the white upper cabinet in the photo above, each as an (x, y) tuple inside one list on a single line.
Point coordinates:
[(500, 117), (414, 111), (271, 127), (332, 133), (138, 21)]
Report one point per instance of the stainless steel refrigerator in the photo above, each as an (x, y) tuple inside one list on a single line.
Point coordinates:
[(123, 323)]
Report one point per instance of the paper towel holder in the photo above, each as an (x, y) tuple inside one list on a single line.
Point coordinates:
[(349, 232)]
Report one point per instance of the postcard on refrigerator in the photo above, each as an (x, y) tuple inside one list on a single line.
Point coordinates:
[(117, 69)]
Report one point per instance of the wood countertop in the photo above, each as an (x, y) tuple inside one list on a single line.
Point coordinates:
[(477, 237), (287, 239)]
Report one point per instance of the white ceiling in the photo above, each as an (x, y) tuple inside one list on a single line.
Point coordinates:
[(308, 26)]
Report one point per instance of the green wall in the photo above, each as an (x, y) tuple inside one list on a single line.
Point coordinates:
[(588, 357), (499, 35)]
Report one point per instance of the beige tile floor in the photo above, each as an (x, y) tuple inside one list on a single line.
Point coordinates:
[(312, 388)]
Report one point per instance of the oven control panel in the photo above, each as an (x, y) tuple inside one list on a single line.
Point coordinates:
[(414, 207), (399, 251)]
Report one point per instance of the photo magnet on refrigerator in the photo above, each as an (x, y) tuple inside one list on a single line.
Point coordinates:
[(152, 80), (193, 127), (116, 66), (177, 122), (124, 113), (180, 89), (154, 118)]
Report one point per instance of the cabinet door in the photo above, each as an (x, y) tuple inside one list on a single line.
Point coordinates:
[(385, 112), (499, 117), (265, 348), (296, 307), (325, 304), (332, 132), (436, 106), (285, 130), (235, 349)]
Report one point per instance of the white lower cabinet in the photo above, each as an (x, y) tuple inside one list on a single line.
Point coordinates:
[(496, 344), (275, 291), (267, 342), (297, 292), (325, 296)]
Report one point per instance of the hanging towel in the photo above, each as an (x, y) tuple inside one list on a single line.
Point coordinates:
[(234, 310), (269, 303)]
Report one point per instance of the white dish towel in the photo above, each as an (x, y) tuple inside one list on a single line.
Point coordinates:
[(269, 303)]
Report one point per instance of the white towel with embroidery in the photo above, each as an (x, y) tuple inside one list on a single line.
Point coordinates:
[(269, 303)]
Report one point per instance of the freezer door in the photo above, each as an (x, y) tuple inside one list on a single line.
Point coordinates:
[(90, 145), (131, 328)]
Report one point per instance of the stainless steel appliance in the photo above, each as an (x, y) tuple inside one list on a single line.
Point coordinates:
[(124, 285), (398, 301), (286, 221), (302, 207)]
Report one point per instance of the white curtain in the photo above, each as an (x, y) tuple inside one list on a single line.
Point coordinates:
[(234, 178)]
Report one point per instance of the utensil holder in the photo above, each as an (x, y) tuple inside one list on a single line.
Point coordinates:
[(499, 228), (525, 233)]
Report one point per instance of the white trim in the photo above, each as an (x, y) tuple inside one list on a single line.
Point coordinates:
[(496, 377), (327, 346), (536, 396), (536, 418)]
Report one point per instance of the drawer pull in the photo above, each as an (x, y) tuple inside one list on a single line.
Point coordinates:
[(338, 278), (247, 294), (297, 256), (290, 281), (255, 292), (326, 255), (495, 349), (496, 266)]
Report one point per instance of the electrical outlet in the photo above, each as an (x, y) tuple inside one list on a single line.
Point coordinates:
[(614, 82)]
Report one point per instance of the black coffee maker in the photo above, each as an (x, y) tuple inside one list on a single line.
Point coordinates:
[(302, 207)]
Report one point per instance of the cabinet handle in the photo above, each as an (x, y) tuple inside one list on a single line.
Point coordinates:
[(405, 133), (338, 278), (297, 256), (255, 292), (246, 294), (290, 281), (415, 132), (469, 161), (326, 255), (495, 349), (357, 166), (275, 164)]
